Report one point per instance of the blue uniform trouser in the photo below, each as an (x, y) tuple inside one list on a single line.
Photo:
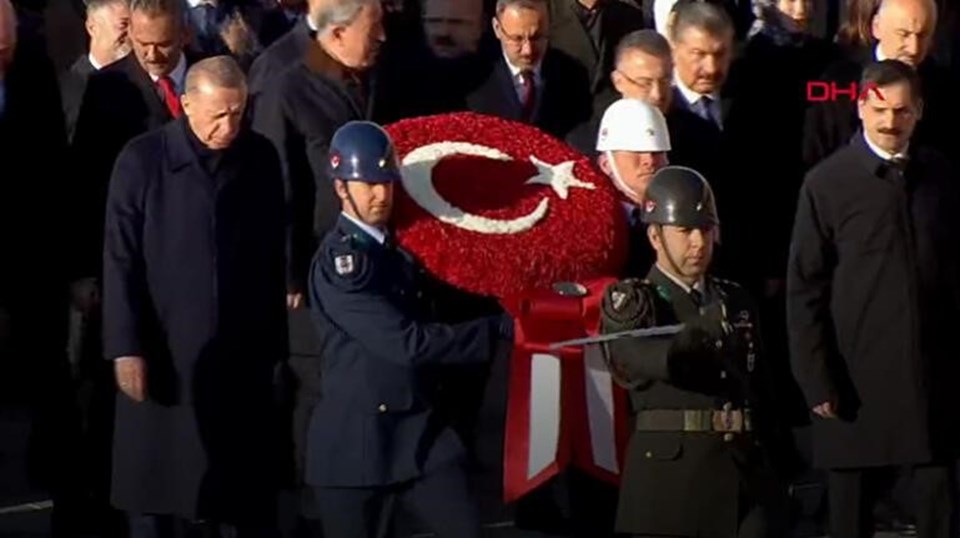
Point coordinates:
[(440, 500)]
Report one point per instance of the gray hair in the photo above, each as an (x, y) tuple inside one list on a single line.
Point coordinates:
[(93, 6), (156, 8), (646, 41), (218, 71), (502, 5), (332, 13), (703, 16)]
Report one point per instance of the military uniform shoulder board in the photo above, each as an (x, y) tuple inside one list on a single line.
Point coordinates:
[(349, 267)]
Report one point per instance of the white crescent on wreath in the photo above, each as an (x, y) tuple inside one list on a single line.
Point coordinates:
[(417, 179)]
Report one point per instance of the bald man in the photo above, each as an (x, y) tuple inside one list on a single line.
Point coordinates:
[(902, 30), (196, 326)]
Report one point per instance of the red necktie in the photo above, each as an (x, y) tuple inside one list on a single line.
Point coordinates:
[(170, 96), (529, 93)]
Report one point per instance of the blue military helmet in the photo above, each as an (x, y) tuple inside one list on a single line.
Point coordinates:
[(363, 151)]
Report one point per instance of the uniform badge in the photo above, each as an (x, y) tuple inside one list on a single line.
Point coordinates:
[(651, 133), (617, 299), (344, 264), (650, 206), (335, 161)]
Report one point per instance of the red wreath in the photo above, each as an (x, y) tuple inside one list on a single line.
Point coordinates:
[(581, 237)]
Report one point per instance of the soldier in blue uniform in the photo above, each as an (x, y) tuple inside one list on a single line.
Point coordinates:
[(696, 464), (374, 436)]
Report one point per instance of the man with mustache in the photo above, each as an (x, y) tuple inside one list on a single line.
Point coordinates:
[(902, 30), (107, 24), (697, 463), (873, 300)]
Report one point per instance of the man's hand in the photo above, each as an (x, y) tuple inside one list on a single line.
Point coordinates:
[(825, 410), (131, 375), (294, 300), (85, 294)]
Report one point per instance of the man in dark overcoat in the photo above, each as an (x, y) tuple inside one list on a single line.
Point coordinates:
[(194, 314), (872, 297)]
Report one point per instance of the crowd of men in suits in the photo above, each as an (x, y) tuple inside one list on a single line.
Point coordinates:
[(179, 243)]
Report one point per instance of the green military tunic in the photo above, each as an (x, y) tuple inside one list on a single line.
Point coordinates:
[(696, 464)]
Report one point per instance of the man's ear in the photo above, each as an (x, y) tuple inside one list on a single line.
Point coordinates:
[(604, 163), (340, 187), (653, 235)]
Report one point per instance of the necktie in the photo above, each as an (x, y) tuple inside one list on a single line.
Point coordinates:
[(696, 297), (529, 93), (703, 109), (169, 96)]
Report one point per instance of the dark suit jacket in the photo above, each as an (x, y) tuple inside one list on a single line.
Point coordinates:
[(276, 59), (120, 103), (73, 84), (563, 96), (568, 35)]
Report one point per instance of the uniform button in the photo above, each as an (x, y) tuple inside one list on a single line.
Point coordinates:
[(728, 437), (649, 454), (723, 374), (382, 408), (719, 344)]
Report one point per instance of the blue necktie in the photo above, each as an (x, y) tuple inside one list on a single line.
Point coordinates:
[(703, 108)]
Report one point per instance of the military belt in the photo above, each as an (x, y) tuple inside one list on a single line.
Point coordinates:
[(694, 420)]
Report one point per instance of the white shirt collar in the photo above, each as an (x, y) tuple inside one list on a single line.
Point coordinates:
[(515, 71), (699, 286), (878, 54), (178, 74), (690, 95), (882, 153), (195, 3), (93, 61), (376, 233), (310, 24)]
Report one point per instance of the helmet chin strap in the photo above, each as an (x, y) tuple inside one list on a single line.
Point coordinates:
[(672, 265), (618, 181)]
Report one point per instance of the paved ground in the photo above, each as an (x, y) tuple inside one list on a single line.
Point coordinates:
[(32, 520)]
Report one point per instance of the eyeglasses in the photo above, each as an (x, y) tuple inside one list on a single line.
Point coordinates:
[(647, 82), (519, 40)]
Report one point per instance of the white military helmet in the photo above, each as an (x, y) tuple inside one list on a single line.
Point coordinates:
[(632, 125)]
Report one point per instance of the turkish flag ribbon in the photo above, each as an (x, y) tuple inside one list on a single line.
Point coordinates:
[(563, 407)]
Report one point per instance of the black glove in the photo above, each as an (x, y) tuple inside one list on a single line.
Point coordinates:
[(626, 306)]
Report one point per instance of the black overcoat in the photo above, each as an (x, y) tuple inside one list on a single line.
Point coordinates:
[(194, 283), (871, 303)]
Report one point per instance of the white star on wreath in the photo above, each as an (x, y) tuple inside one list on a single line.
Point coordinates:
[(560, 177)]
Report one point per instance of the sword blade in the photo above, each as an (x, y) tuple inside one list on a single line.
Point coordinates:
[(665, 330)]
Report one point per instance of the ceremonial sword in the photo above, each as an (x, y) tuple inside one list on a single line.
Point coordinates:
[(665, 330)]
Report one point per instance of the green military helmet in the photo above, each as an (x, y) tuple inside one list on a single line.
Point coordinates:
[(680, 196)]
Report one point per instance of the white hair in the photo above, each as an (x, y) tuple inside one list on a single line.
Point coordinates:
[(332, 13)]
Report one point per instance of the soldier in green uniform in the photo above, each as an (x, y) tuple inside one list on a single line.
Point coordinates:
[(697, 463)]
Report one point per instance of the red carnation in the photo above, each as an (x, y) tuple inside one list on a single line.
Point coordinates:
[(497, 207)]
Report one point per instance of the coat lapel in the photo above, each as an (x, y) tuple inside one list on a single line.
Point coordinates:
[(504, 82), (158, 109)]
